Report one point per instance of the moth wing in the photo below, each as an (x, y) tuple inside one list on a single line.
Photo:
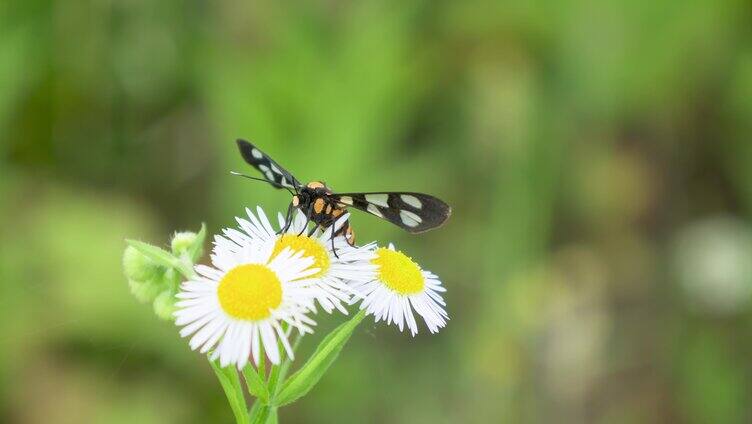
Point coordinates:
[(271, 170), (413, 212)]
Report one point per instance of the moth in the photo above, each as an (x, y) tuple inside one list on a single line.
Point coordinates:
[(413, 212)]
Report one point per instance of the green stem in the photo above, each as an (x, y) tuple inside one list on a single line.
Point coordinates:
[(239, 395), (184, 265), (230, 381), (273, 379), (259, 414), (272, 418), (288, 362), (279, 372)]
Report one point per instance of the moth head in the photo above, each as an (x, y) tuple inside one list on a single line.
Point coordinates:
[(302, 200)]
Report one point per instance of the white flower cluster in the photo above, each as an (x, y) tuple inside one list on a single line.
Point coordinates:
[(263, 284)]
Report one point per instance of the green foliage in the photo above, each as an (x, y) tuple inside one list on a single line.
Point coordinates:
[(164, 304), (576, 141), (145, 291), (188, 244), (154, 274), (255, 383), (300, 383), (260, 413), (140, 267), (267, 397), (163, 258), (230, 381)]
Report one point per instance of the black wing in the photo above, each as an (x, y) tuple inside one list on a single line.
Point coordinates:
[(267, 166), (413, 212)]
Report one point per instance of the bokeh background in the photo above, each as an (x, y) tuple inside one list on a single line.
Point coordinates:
[(598, 157)]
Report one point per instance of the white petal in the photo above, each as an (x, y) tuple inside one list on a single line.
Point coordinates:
[(270, 343)]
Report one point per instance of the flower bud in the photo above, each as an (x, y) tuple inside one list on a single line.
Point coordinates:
[(145, 291), (164, 305), (188, 243), (139, 267), (182, 241)]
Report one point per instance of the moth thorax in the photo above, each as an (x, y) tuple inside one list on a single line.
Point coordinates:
[(315, 185), (318, 205)]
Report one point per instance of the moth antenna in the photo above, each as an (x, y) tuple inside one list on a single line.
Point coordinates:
[(238, 174)]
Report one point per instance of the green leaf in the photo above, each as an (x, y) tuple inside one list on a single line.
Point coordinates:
[(198, 246), (255, 383), (230, 382), (156, 254), (162, 257), (262, 366), (326, 353)]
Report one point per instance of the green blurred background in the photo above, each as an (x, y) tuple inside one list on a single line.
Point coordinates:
[(598, 157)]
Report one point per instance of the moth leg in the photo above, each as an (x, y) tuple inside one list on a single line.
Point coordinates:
[(288, 220), (334, 249), (308, 219)]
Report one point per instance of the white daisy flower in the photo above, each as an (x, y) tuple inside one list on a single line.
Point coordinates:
[(349, 264), (238, 306), (399, 287)]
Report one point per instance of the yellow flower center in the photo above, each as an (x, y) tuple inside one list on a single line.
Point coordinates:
[(309, 246), (250, 292), (398, 271)]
